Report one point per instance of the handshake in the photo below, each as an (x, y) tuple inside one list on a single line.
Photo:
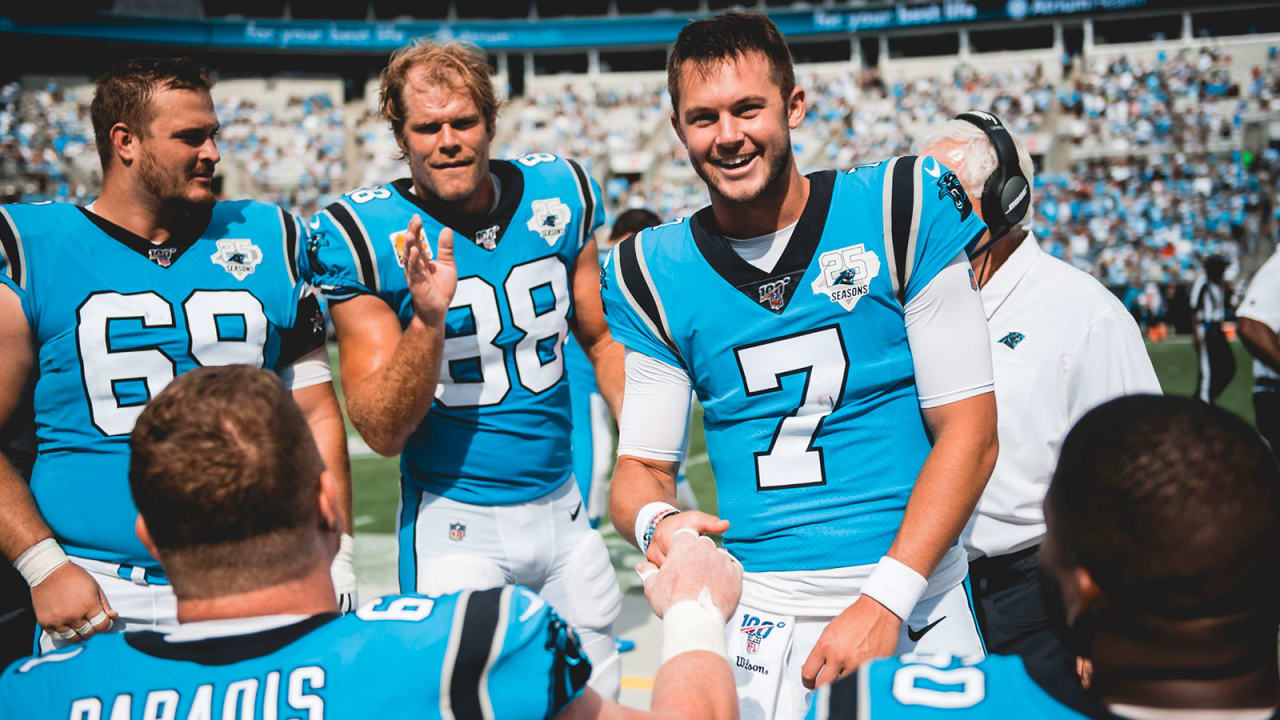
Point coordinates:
[(695, 592)]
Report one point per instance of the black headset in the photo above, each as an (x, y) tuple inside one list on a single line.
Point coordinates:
[(1007, 194)]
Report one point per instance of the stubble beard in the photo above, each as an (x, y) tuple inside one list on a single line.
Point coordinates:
[(773, 175), (168, 189)]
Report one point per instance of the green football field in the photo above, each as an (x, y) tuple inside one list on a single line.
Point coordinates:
[(376, 479)]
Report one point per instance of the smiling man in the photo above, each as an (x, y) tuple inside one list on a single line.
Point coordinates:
[(833, 333), (104, 305), (451, 351)]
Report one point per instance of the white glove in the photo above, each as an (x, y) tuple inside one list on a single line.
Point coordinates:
[(343, 572)]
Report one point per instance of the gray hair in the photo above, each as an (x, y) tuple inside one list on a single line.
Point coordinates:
[(973, 160)]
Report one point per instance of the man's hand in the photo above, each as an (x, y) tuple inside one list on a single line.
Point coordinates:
[(866, 629), (700, 522), (69, 605), (692, 565), (432, 282)]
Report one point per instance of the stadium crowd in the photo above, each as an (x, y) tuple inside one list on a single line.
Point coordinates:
[(1157, 181)]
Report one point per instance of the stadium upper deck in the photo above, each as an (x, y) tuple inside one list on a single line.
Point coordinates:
[(1147, 135)]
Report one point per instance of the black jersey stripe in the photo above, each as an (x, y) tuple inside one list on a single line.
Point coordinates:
[(11, 250), (901, 207), (588, 201), (638, 289), (474, 647), (290, 244), (359, 243)]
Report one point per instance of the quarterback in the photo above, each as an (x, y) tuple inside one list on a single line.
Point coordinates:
[(833, 333), (451, 337), (104, 305)]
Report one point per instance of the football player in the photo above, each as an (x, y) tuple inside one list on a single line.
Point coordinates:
[(109, 302), (456, 362), (834, 336), (1159, 564), (235, 501)]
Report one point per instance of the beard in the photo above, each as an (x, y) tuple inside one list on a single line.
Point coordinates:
[(170, 186), (777, 167)]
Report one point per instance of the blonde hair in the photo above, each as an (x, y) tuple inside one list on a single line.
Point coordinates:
[(457, 65)]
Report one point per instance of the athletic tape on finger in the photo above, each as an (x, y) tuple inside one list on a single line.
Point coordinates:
[(86, 629), (96, 620), (644, 576), (64, 634)]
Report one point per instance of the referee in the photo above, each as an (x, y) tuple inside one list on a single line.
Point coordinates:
[(1060, 345), (1210, 301)]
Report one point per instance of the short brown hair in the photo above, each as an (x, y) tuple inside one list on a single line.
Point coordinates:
[(730, 36), (457, 65), (225, 472), (124, 93)]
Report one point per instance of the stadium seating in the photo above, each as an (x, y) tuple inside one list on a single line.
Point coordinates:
[(1141, 147)]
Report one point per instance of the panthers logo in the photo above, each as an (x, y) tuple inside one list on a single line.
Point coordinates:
[(949, 184)]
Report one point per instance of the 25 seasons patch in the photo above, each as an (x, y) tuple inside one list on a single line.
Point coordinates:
[(846, 274)]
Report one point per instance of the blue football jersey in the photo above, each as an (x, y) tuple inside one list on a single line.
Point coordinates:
[(115, 318), (499, 653), (921, 687), (498, 430), (812, 422)]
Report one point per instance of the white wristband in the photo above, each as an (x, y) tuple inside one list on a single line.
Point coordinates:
[(646, 516), (40, 560), (693, 625), (895, 586)]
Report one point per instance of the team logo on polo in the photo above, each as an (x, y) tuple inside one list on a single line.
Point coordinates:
[(161, 256), (1012, 339), (550, 219), (457, 531), (846, 274), (773, 295), (237, 256), (757, 631), (487, 238)]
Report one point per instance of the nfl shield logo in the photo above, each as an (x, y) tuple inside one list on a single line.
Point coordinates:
[(162, 256), (756, 631), (457, 531)]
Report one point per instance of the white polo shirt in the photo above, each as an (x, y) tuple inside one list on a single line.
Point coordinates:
[(1061, 344), (1262, 303)]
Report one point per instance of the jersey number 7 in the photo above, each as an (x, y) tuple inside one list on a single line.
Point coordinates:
[(792, 459)]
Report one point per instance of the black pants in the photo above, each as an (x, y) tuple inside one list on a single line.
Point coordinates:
[(1011, 612), (1266, 411), (17, 622), (1216, 364)]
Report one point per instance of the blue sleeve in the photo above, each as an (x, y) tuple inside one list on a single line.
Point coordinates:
[(598, 217), (541, 663), (629, 307), (14, 270), (948, 224), (328, 262)]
